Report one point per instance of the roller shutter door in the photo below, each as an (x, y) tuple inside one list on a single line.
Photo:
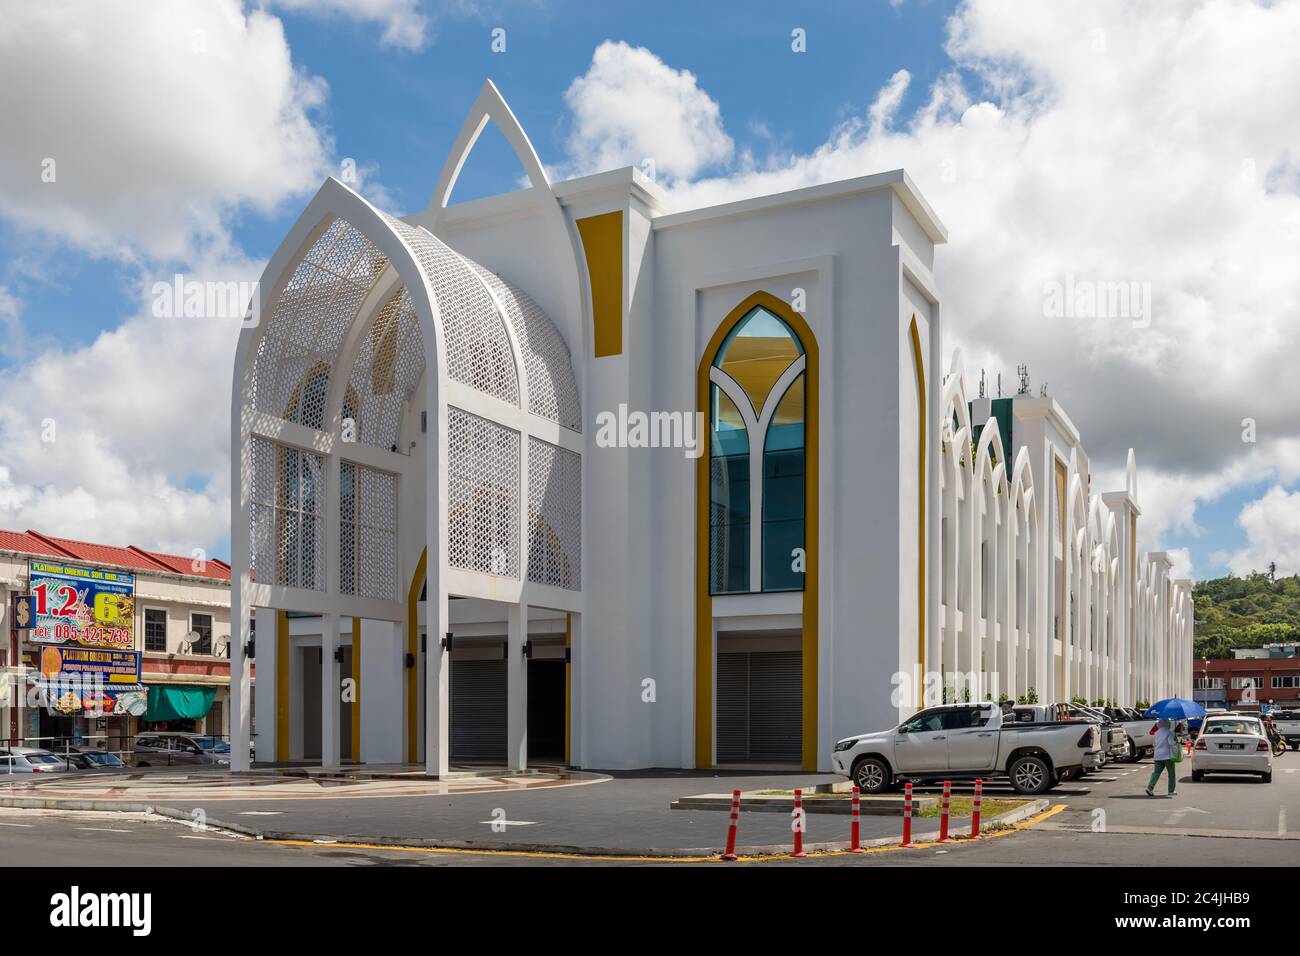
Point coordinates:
[(759, 711), (478, 711)]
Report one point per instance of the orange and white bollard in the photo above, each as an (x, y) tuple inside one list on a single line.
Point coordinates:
[(731, 830), (855, 827), (797, 823), (943, 818), (975, 810), (907, 814)]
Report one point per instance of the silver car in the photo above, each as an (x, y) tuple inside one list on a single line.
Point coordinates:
[(14, 760), (167, 749)]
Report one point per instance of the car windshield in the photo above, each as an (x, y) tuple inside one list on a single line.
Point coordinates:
[(212, 745), (1232, 727), (42, 758), (104, 759)]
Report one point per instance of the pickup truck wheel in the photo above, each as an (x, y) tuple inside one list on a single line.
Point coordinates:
[(1030, 774), (1134, 754), (871, 774)]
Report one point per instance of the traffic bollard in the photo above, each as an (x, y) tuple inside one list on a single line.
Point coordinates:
[(855, 828), (975, 810), (907, 814), (797, 822), (943, 819), (731, 830)]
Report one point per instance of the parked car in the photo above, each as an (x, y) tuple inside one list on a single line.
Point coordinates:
[(965, 741), (1232, 745), (1288, 725), (30, 760), (88, 758), (1137, 728), (162, 749)]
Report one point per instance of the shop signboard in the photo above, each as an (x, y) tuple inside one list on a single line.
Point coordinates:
[(82, 606), (96, 681)]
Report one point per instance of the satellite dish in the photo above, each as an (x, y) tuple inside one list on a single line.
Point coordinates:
[(221, 646), (189, 640)]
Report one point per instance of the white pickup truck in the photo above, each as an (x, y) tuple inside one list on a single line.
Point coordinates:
[(1114, 739), (1140, 731), (965, 741)]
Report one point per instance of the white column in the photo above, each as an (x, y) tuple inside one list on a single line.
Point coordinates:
[(577, 725), (330, 691), (241, 677), (382, 682), (266, 684), (516, 687), (437, 716)]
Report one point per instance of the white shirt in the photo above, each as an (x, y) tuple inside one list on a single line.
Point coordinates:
[(1165, 740)]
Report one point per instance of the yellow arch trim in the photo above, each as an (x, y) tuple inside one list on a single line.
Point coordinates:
[(704, 652), (413, 648), (922, 490)]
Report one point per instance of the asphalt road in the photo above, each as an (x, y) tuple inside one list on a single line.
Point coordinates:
[(1228, 822)]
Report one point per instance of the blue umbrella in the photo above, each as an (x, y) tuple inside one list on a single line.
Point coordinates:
[(1176, 708)]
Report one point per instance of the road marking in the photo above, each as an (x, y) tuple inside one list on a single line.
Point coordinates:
[(1176, 817), (104, 829), (261, 813), (510, 823), (1281, 821), (27, 825)]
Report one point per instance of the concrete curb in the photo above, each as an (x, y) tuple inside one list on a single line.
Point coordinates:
[(380, 842)]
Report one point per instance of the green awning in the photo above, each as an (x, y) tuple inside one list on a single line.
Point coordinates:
[(179, 702)]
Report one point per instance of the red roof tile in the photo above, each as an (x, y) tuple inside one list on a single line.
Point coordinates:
[(138, 559), (182, 565), (26, 544)]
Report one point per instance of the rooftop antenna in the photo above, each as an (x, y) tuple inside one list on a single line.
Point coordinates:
[(1022, 372), (981, 383), (999, 384), (1043, 390)]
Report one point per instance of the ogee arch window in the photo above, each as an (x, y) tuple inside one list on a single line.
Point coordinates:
[(756, 467)]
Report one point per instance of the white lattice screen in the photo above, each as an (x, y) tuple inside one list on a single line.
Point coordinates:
[(483, 487), (554, 515), (286, 540), (307, 324), (478, 349), (389, 363), (552, 389), (367, 532)]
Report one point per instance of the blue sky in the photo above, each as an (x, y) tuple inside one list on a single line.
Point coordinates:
[(1020, 125)]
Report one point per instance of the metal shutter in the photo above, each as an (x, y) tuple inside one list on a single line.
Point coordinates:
[(759, 710), (776, 706), (478, 710), (733, 708)]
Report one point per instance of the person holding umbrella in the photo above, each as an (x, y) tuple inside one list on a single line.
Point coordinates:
[(1164, 756), (1167, 750)]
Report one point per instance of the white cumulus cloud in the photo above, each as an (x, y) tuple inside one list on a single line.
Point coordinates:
[(137, 128), (630, 107)]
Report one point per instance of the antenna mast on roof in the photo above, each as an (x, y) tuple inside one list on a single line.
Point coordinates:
[(981, 383), (1022, 372)]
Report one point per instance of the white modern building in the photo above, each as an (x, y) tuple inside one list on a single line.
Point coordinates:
[(560, 476)]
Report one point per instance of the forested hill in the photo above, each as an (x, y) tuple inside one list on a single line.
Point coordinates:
[(1256, 609)]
